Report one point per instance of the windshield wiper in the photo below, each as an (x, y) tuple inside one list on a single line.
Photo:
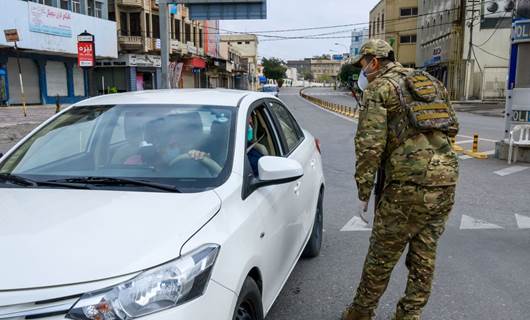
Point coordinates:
[(109, 181), (19, 180)]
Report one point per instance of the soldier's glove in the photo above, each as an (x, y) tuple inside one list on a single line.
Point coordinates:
[(362, 211)]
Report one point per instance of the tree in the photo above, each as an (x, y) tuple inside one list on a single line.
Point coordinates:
[(308, 75), (348, 74), (274, 68)]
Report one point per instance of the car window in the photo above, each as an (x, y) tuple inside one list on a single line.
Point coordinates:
[(176, 144), (292, 133), (261, 140)]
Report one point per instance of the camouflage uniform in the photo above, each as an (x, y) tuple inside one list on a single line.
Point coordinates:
[(418, 195)]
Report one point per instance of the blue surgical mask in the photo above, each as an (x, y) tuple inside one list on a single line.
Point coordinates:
[(250, 134)]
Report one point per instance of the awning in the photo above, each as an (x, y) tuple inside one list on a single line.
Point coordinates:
[(196, 62)]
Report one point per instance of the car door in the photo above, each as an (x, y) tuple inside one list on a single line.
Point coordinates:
[(298, 147), (276, 206)]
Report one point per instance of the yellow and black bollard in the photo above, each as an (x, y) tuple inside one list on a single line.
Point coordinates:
[(456, 148), (474, 150)]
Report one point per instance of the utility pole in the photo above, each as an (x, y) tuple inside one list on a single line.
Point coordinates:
[(469, 64), (164, 41)]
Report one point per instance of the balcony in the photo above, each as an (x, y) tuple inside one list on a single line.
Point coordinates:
[(131, 3), (131, 42)]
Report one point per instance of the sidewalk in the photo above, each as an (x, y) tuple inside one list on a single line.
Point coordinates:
[(488, 109), (14, 126)]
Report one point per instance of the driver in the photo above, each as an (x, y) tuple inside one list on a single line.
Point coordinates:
[(182, 140)]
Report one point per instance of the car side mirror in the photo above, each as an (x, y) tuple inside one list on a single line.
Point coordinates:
[(273, 171)]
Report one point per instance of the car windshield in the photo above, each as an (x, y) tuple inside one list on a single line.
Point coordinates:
[(269, 89), (185, 146)]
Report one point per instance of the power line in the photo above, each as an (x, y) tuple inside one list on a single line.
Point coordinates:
[(491, 54), (497, 27), (401, 19), (314, 37)]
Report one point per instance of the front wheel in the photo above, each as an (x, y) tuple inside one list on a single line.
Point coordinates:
[(249, 306), (312, 249)]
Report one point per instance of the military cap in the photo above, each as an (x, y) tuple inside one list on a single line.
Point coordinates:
[(375, 47)]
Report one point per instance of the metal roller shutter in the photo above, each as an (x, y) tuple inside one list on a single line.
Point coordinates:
[(30, 76), (56, 78), (79, 83)]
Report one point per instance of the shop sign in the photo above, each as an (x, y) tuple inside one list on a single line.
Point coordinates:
[(49, 20), (521, 31), (144, 60)]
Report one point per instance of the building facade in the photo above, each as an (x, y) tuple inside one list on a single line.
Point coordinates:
[(443, 46), (247, 46), (396, 22), (358, 37), (138, 66), (48, 32), (325, 70), (301, 66)]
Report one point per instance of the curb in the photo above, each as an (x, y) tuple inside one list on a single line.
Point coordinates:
[(346, 111)]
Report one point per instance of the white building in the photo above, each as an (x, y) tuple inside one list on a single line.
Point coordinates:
[(358, 37), (443, 47), (48, 48)]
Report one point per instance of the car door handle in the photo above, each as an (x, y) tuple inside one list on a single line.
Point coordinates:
[(297, 188)]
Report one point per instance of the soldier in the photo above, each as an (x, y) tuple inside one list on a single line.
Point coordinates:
[(405, 125)]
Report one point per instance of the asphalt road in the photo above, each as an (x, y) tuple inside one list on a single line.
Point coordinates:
[(483, 264)]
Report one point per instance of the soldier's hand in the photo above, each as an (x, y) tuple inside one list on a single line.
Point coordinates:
[(362, 211)]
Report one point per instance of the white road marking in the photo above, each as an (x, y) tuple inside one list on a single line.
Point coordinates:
[(356, 224), (523, 222), (468, 222), (483, 139), (464, 157), (510, 170), (464, 141)]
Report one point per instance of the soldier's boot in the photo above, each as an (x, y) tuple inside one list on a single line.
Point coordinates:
[(352, 314)]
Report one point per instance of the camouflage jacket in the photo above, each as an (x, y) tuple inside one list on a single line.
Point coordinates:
[(423, 158)]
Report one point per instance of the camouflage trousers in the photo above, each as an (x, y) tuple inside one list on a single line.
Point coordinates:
[(410, 215)]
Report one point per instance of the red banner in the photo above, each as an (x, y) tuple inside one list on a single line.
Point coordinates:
[(85, 54)]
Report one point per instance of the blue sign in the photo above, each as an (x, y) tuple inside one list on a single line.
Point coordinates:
[(521, 31), (338, 57)]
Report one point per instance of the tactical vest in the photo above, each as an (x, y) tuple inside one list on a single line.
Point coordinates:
[(423, 103)]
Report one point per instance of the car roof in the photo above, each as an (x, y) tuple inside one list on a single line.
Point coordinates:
[(215, 97)]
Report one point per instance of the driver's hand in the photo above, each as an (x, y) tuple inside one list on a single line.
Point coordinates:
[(198, 155)]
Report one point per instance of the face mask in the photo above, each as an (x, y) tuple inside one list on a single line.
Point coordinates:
[(363, 81), (171, 153), (250, 134)]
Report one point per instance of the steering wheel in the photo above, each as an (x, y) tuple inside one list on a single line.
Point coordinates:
[(206, 161)]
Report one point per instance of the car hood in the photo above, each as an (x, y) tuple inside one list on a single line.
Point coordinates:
[(51, 237)]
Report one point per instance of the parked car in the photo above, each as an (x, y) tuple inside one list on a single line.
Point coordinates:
[(271, 89), (174, 204)]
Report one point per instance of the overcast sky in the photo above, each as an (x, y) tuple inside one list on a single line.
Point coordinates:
[(291, 14)]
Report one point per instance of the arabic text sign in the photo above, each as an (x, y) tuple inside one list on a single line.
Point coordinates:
[(85, 54), (521, 31), (49, 20)]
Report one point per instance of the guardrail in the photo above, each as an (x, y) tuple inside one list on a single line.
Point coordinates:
[(334, 107)]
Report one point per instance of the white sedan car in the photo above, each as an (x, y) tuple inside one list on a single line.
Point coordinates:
[(170, 204)]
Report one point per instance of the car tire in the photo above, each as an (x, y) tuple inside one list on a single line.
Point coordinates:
[(249, 305), (312, 248)]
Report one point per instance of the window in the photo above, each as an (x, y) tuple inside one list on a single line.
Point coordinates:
[(178, 31), (409, 12), (292, 134), (99, 10), (200, 38), (247, 42), (156, 26), (239, 42), (383, 22), (260, 140), (187, 31), (65, 4), (147, 142), (90, 7), (124, 28), (45, 2), (134, 22), (408, 39), (76, 6), (147, 25), (112, 16)]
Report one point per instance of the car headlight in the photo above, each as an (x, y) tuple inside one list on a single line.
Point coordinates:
[(160, 288)]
